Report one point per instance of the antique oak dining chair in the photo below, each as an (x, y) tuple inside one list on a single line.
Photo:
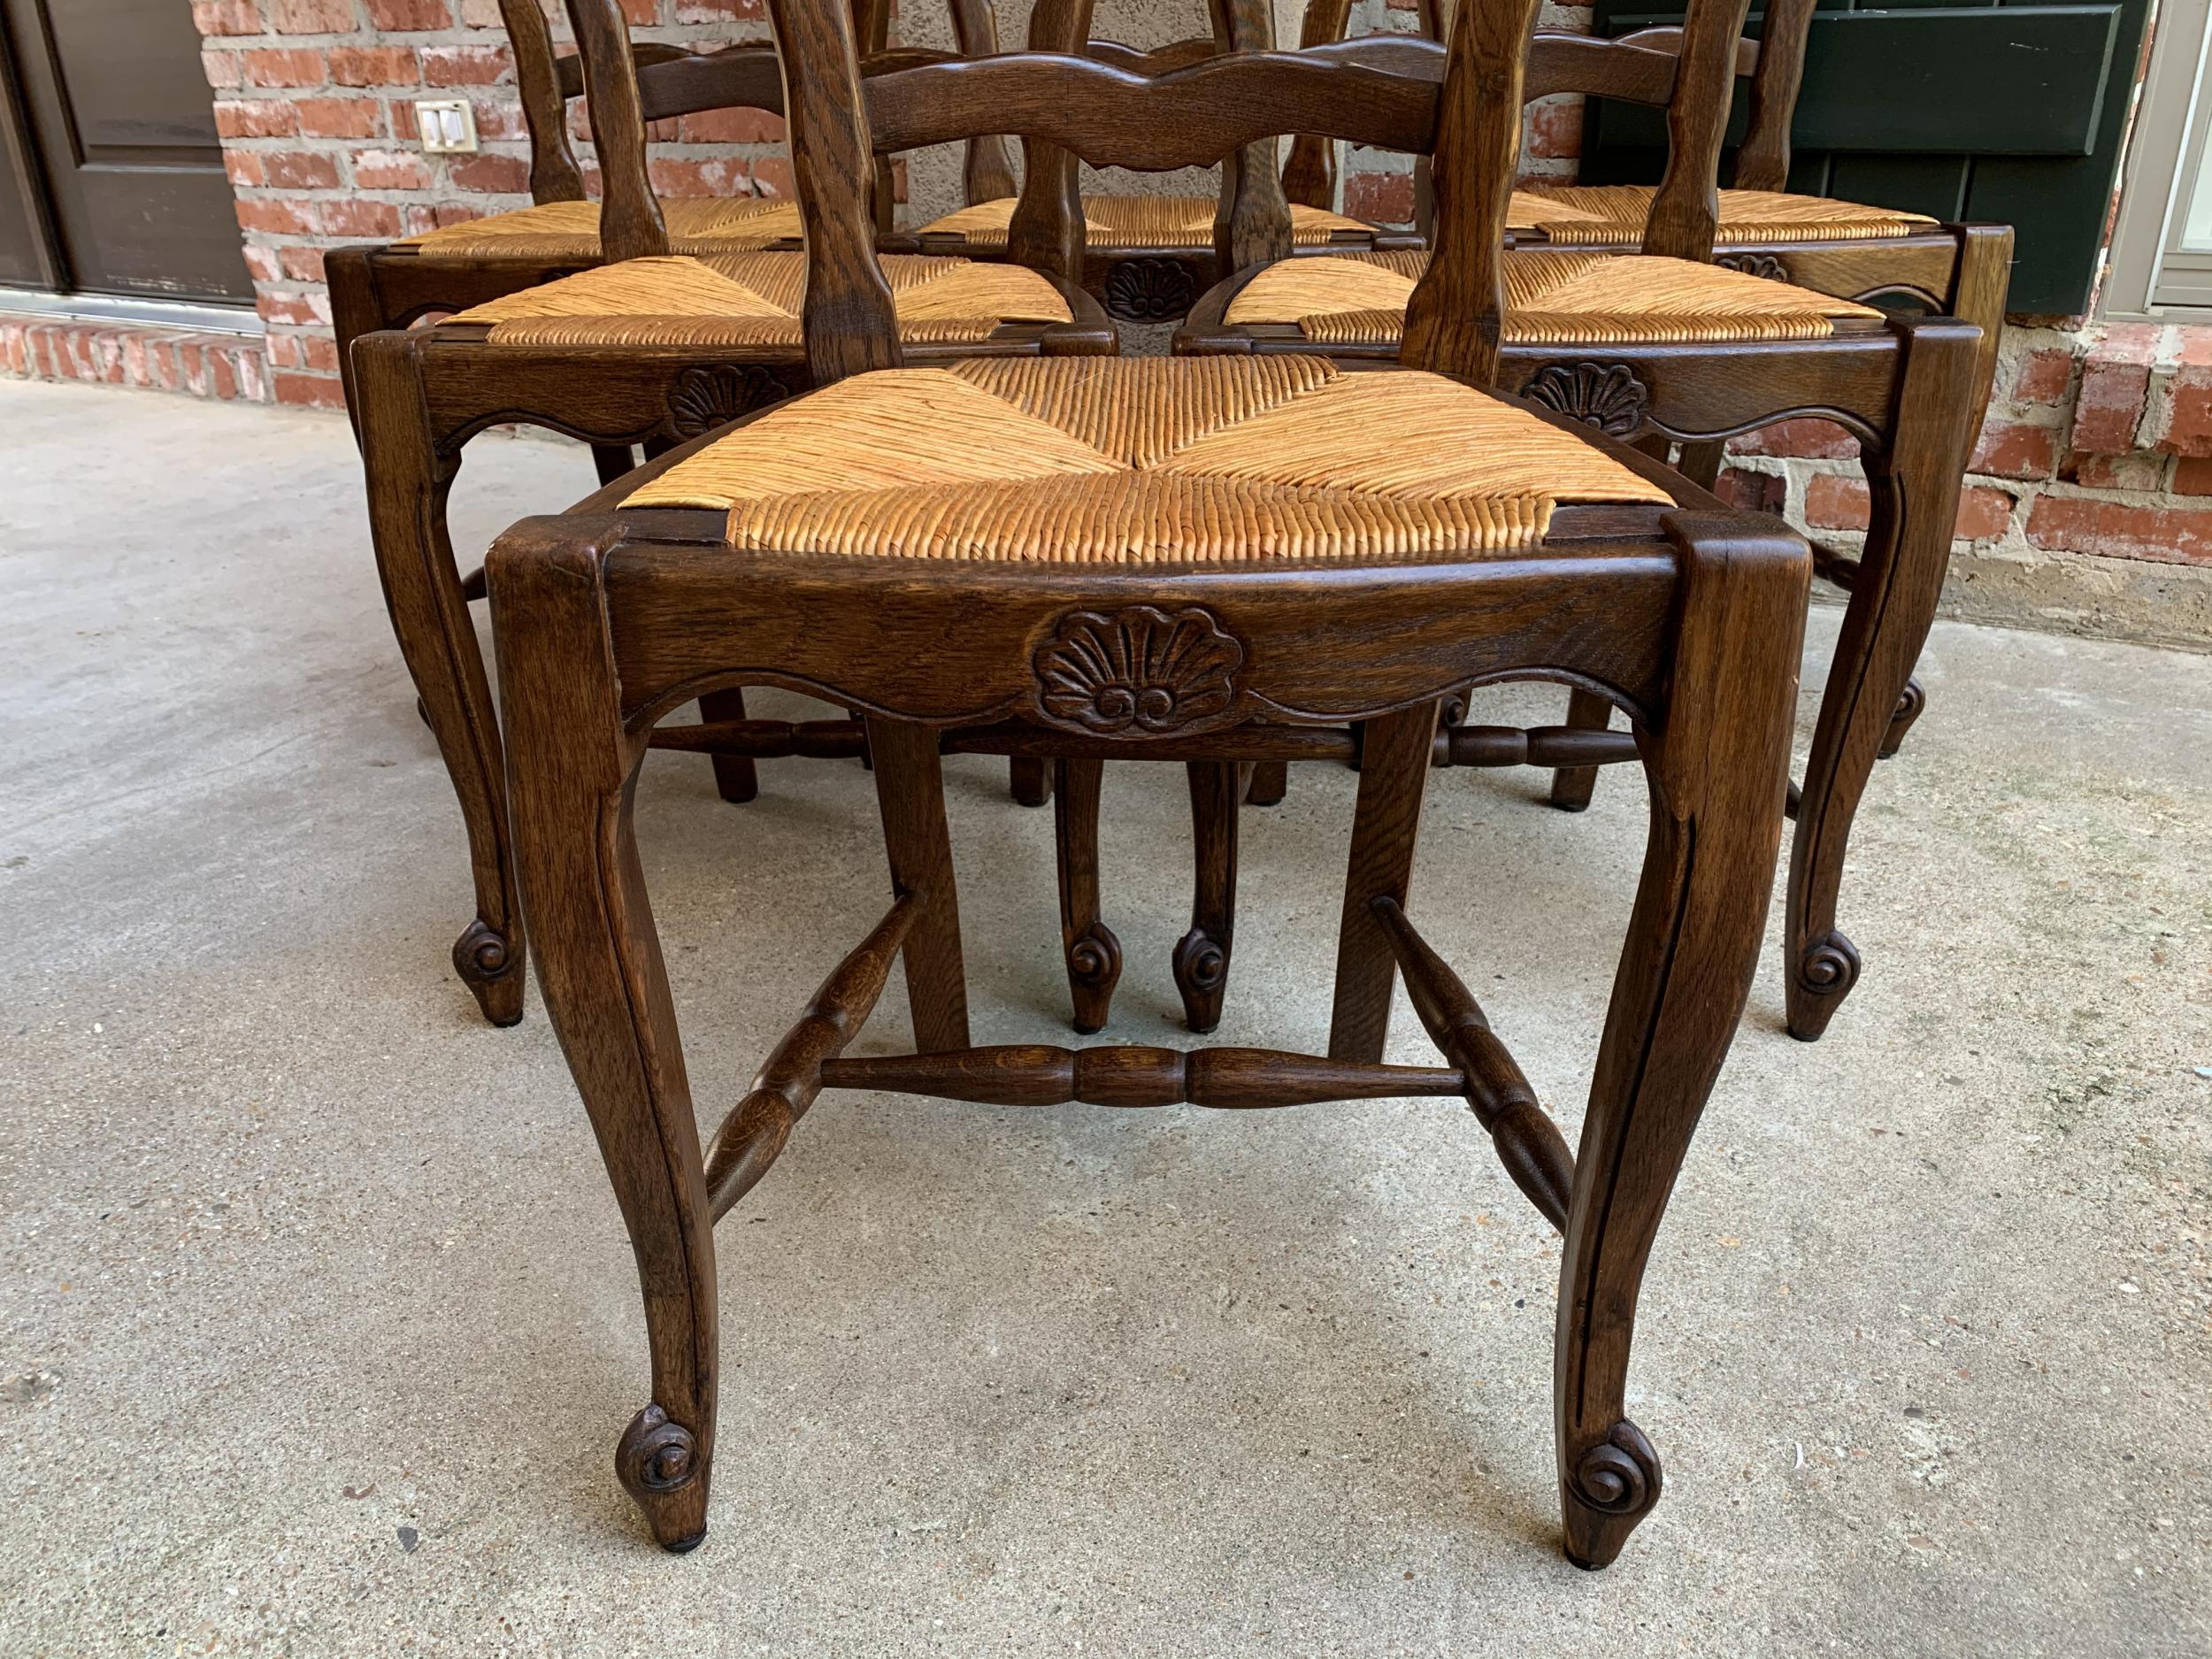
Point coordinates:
[(1846, 249), (456, 266), (1662, 345), (654, 346), (1206, 562)]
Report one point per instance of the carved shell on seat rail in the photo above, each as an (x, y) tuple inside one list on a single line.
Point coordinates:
[(1140, 670), (1611, 396), (1151, 288), (706, 396)]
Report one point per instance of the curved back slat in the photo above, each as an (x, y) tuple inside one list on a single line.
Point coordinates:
[(1599, 69), (1667, 38), (1153, 123), (1158, 61), (644, 54), (743, 77)]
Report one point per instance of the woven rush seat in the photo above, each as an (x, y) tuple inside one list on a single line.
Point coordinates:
[(753, 300), (1613, 216), (1566, 297), (1178, 224), (560, 231), (1150, 461)]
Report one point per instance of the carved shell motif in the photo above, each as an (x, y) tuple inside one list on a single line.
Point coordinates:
[(705, 397), (1150, 290), (1609, 396), (1152, 670), (1758, 265)]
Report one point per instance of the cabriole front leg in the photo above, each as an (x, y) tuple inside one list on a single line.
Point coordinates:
[(1717, 773), (408, 483), (1914, 486), (606, 993)]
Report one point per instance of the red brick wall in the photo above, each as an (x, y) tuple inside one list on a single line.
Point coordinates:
[(2099, 440), (313, 99)]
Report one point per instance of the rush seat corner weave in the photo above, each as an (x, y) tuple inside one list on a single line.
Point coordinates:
[(1613, 216), (1144, 461), (570, 230), (1169, 223), (1551, 297), (754, 299)]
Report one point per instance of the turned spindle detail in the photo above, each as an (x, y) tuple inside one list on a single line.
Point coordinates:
[(751, 1137), (1033, 1074), (1529, 1144)]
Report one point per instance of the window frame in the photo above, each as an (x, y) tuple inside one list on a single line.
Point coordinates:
[(2147, 277)]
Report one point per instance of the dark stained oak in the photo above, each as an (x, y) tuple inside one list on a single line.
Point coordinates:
[(610, 619), (1699, 395), (420, 395)]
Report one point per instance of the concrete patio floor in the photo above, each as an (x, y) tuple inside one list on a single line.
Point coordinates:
[(318, 1323)]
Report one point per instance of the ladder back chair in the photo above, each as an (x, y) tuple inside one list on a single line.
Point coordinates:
[(1846, 249), (1661, 345), (456, 266), (654, 346), (1207, 562)]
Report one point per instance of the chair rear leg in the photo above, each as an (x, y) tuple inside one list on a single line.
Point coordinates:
[(605, 987), (1717, 773), (736, 777), (1029, 780), (1202, 956), (1395, 758), (408, 482), (612, 460), (1092, 953), (911, 794), (1572, 786), (1268, 783), (1914, 485)]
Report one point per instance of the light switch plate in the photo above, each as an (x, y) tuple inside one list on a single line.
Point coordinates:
[(448, 126)]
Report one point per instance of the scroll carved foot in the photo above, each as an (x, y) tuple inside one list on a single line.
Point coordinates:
[(1201, 974), (1827, 968), (1610, 1487), (491, 966), (1910, 706), (1093, 970), (659, 1466)]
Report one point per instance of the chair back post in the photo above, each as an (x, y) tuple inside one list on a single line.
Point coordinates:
[(630, 222), (849, 321), (1456, 315), (1685, 210), (1252, 221), (1309, 174), (1046, 233), (554, 174), (987, 172), (871, 31), (1764, 161)]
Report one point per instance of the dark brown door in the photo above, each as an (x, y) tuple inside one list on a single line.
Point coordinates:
[(123, 174)]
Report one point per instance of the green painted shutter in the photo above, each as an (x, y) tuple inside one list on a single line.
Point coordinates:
[(2008, 114)]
